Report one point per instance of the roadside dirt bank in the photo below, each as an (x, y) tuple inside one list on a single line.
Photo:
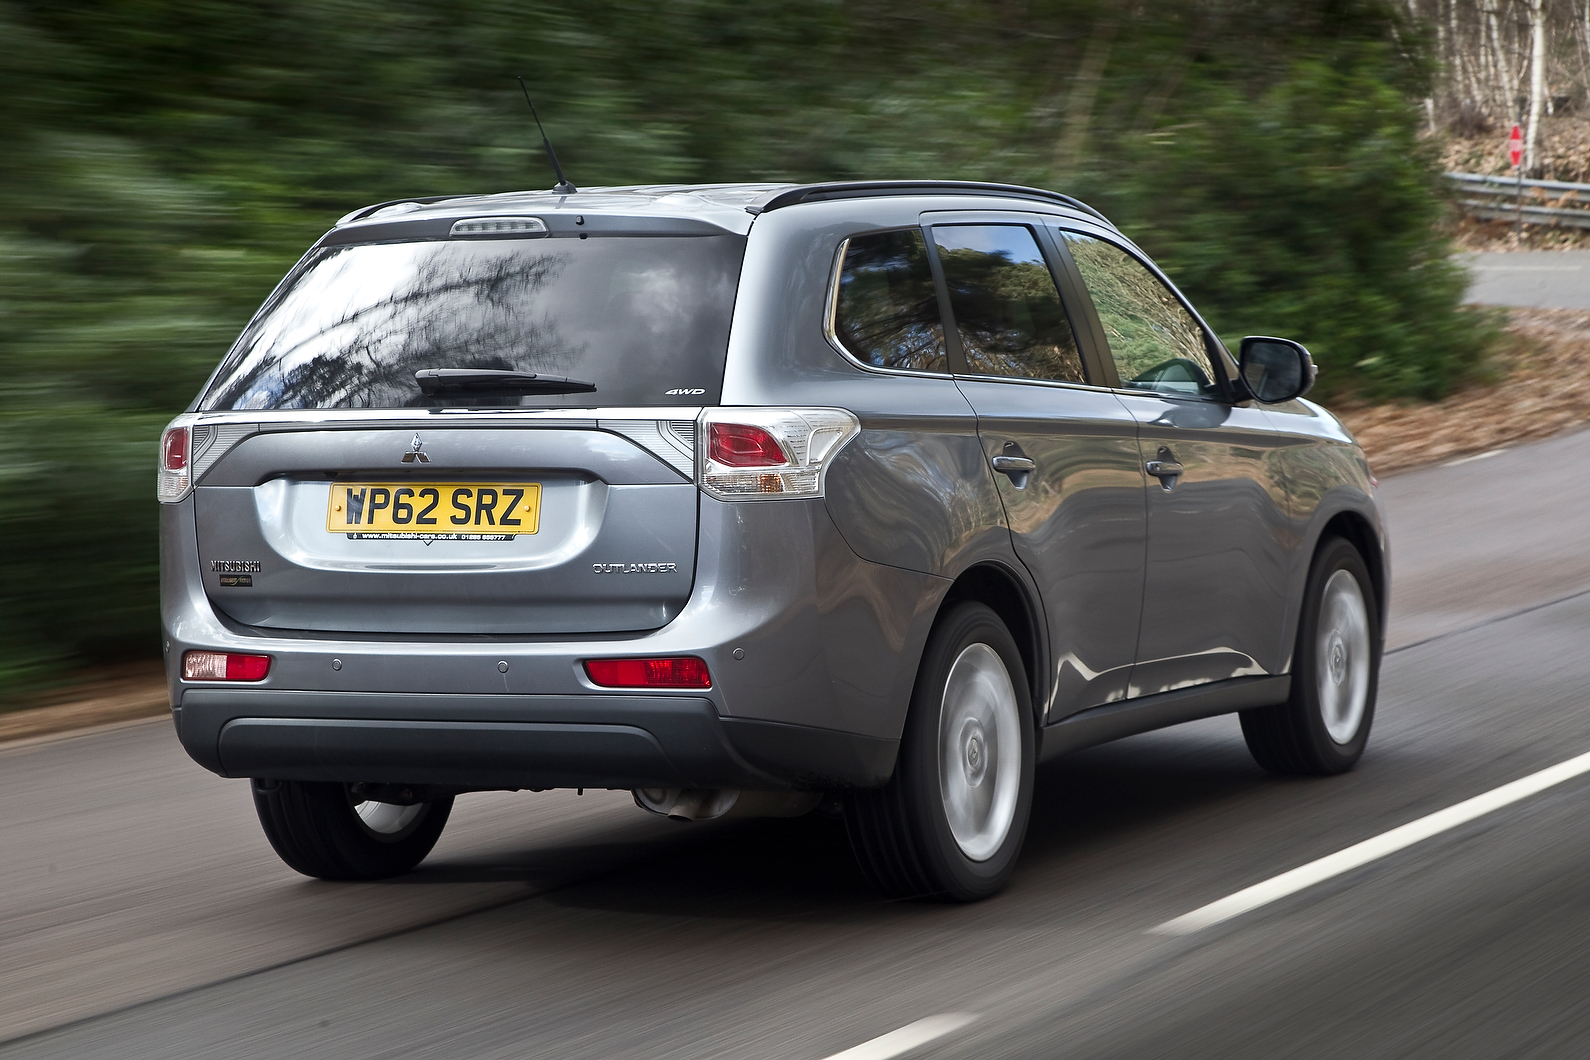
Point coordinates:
[(114, 694), (1542, 388)]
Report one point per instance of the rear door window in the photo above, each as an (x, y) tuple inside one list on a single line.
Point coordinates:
[(886, 311), (646, 319), (1007, 309), (1156, 343)]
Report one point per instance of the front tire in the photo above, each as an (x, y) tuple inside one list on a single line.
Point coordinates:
[(951, 821), (323, 830), (1323, 726)]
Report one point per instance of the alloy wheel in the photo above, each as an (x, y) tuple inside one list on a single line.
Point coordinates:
[(979, 751)]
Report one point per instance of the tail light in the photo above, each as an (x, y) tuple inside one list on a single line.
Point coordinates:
[(175, 452), (744, 445), (683, 671), (188, 449), (224, 666), (767, 453)]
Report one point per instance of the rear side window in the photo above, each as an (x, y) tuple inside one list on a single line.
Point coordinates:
[(1007, 309), (1155, 342), (646, 319), (886, 311)]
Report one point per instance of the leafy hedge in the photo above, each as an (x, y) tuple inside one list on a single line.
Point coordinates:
[(165, 162)]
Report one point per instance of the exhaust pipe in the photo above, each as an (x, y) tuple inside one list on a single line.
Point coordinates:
[(709, 804)]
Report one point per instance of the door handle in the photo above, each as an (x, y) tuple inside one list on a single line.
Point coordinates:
[(1167, 471), (1017, 468)]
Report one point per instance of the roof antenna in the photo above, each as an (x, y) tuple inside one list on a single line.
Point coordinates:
[(562, 187)]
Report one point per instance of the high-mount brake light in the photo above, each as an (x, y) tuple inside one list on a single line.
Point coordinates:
[(682, 671), (498, 227), (768, 453), (744, 445), (174, 461), (224, 666)]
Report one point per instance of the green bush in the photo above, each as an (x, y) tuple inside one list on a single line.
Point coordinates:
[(1309, 210), (166, 162)]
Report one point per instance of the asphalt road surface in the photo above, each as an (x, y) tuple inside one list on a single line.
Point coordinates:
[(143, 915), (1541, 278)]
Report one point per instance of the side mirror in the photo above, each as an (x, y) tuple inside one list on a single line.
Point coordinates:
[(1275, 370)]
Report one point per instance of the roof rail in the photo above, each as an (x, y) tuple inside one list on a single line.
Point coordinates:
[(862, 189), (423, 200)]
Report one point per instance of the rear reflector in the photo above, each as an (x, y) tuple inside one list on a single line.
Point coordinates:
[(744, 445), (224, 666), (685, 671)]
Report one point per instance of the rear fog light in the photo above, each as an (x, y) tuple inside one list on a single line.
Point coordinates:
[(685, 671), (224, 666)]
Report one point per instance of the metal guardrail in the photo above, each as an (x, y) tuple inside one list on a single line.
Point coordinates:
[(1545, 202)]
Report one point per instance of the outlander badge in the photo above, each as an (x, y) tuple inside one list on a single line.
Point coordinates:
[(414, 455)]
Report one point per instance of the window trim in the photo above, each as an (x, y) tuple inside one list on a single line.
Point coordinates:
[(831, 316), (1021, 380)]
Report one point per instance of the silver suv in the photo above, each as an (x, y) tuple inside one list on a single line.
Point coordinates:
[(752, 499)]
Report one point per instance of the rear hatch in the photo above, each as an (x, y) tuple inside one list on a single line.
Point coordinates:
[(355, 501)]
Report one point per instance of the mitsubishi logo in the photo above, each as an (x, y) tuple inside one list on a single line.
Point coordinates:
[(414, 455)]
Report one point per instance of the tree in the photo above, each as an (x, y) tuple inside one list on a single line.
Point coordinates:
[(166, 162), (1537, 80)]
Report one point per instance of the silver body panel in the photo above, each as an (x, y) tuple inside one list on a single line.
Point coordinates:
[(1077, 525), (811, 614), (1216, 578), (603, 501)]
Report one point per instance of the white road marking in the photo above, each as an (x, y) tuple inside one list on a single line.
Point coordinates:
[(907, 1038), (1303, 876), (1471, 459)]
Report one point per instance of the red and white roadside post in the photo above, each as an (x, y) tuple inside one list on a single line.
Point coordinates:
[(1515, 154)]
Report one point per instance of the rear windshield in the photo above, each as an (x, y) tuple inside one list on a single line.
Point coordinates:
[(644, 318)]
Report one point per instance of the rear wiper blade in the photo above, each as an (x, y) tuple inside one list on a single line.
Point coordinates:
[(496, 381)]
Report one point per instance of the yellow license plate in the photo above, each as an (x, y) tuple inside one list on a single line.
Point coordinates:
[(463, 510)]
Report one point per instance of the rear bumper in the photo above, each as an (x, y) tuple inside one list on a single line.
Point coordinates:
[(794, 628), (509, 741)]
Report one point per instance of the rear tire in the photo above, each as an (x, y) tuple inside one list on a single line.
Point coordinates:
[(1323, 726), (950, 822), (322, 830)]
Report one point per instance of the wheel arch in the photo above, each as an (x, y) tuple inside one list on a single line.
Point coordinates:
[(1004, 592), (1358, 531)]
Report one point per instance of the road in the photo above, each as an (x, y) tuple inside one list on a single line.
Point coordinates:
[(143, 915), (1540, 278)]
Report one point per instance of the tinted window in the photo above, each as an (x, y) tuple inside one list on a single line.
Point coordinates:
[(636, 316), (1156, 343), (1007, 310), (887, 312)]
